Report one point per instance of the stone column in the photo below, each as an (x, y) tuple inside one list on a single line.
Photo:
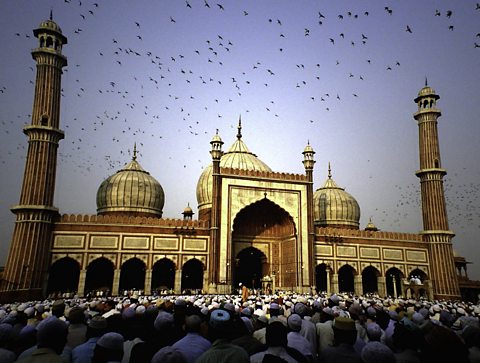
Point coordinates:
[(116, 282), (381, 287), (329, 288), (81, 283), (357, 284), (335, 283), (178, 281), (148, 282), (205, 281)]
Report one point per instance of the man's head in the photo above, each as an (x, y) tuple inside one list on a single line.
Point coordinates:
[(276, 334), (52, 333)]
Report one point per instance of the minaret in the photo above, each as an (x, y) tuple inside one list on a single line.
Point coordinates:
[(25, 273), (214, 253), (434, 211), (308, 163)]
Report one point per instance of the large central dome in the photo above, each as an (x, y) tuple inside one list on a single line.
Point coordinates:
[(131, 191), (238, 156)]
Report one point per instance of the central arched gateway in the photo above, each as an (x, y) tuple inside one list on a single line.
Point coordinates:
[(264, 243)]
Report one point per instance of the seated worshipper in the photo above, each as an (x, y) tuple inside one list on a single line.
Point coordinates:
[(276, 315), (308, 330), (471, 336), (376, 352), (345, 335), (406, 341), (220, 332), (193, 344), (77, 328), (96, 327), (374, 332), (58, 309), (260, 322), (277, 351), (443, 345), (296, 340), (51, 339), (26, 340), (158, 338), (325, 329), (6, 355), (244, 327), (109, 348)]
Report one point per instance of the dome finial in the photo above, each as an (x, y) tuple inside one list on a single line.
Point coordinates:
[(426, 81), (239, 127), (51, 13), (329, 171), (134, 151)]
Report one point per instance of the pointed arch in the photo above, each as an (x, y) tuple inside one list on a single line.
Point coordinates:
[(263, 218), (370, 279), (321, 278), (250, 267), (346, 275), (63, 276), (132, 275), (163, 275), (266, 225), (99, 275), (192, 275), (393, 280)]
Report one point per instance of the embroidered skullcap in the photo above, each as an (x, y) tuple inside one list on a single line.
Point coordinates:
[(112, 341), (163, 321), (294, 322), (343, 323), (374, 332), (376, 352), (169, 354)]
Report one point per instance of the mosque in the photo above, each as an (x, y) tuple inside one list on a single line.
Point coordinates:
[(264, 229)]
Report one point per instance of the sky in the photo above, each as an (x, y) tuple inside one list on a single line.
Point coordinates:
[(341, 75)]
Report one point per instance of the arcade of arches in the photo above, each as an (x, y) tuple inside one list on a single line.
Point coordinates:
[(65, 275), (370, 280), (264, 244)]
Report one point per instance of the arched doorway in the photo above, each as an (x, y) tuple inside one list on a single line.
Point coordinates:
[(63, 276), (265, 225), (163, 275), (99, 275), (346, 279), (250, 267), (321, 278), (132, 275), (192, 275), (417, 277), (393, 280), (370, 280)]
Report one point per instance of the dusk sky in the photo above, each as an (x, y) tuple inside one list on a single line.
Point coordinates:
[(166, 74)]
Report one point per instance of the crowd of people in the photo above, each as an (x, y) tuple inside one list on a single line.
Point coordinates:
[(282, 327)]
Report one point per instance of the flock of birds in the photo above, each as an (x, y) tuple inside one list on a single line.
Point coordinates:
[(153, 85)]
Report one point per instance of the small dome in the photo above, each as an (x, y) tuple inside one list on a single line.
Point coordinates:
[(216, 138), (131, 191), (50, 25), (237, 157), (308, 149), (371, 226), (334, 207), (426, 91)]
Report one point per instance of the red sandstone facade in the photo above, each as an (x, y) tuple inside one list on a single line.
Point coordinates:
[(256, 227)]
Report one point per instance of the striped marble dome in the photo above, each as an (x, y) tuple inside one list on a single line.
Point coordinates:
[(334, 207), (237, 157), (131, 191)]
